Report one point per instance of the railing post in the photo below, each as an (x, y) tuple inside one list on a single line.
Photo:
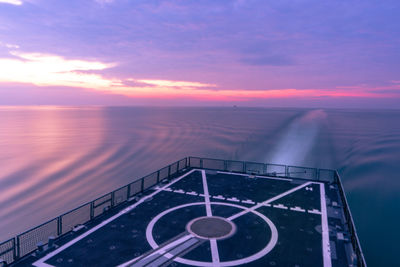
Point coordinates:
[(286, 170), (142, 185), (92, 210), (17, 250), (59, 225), (225, 165), (128, 192), (14, 249), (112, 198), (201, 163), (244, 167), (158, 175)]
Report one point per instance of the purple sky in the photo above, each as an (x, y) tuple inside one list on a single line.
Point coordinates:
[(249, 53)]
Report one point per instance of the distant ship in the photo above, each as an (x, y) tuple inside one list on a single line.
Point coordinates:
[(202, 212)]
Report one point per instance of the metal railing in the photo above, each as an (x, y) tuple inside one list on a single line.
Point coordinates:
[(256, 168), (360, 260), (26, 243)]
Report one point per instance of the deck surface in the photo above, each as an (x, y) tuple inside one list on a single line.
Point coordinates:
[(279, 222)]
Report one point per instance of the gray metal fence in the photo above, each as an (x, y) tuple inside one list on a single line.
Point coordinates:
[(7, 250), (276, 170), (256, 168), (80, 215), (28, 241), (349, 220), (25, 243)]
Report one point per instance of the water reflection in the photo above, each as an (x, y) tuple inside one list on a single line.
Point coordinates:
[(53, 159)]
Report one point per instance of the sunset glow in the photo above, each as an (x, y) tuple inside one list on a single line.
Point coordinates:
[(163, 53)]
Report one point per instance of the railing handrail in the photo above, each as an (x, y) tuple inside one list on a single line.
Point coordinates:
[(354, 239)]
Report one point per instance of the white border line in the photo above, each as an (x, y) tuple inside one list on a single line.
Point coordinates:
[(258, 176), (214, 252), (41, 262), (326, 247)]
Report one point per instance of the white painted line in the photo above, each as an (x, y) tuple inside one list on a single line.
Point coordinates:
[(233, 173), (167, 189), (274, 178), (206, 194), (326, 246), (213, 242), (192, 193), (180, 191), (219, 197), (214, 252), (41, 262), (201, 195), (257, 176), (256, 256), (234, 199), (248, 201), (268, 201), (280, 206), (315, 211), (298, 209)]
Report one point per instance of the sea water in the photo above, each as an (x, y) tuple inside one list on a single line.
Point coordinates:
[(53, 159)]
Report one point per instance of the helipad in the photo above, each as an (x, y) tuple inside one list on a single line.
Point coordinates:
[(204, 217)]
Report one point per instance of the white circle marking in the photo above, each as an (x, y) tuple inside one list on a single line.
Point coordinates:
[(271, 244)]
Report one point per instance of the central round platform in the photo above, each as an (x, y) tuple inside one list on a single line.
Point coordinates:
[(211, 227)]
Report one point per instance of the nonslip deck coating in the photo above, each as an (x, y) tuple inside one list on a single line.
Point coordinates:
[(279, 222)]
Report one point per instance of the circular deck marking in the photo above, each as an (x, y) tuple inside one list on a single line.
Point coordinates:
[(271, 244), (211, 227)]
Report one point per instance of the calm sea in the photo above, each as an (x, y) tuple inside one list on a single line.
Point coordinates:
[(53, 159)]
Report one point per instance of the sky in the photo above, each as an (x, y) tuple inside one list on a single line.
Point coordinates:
[(286, 53)]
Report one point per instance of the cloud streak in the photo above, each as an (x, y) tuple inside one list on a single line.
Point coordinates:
[(46, 70), (12, 2)]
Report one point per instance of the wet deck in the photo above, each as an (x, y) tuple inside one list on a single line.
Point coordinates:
[(278, 222)]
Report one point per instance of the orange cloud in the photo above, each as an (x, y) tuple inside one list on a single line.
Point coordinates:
[(52, 70)]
